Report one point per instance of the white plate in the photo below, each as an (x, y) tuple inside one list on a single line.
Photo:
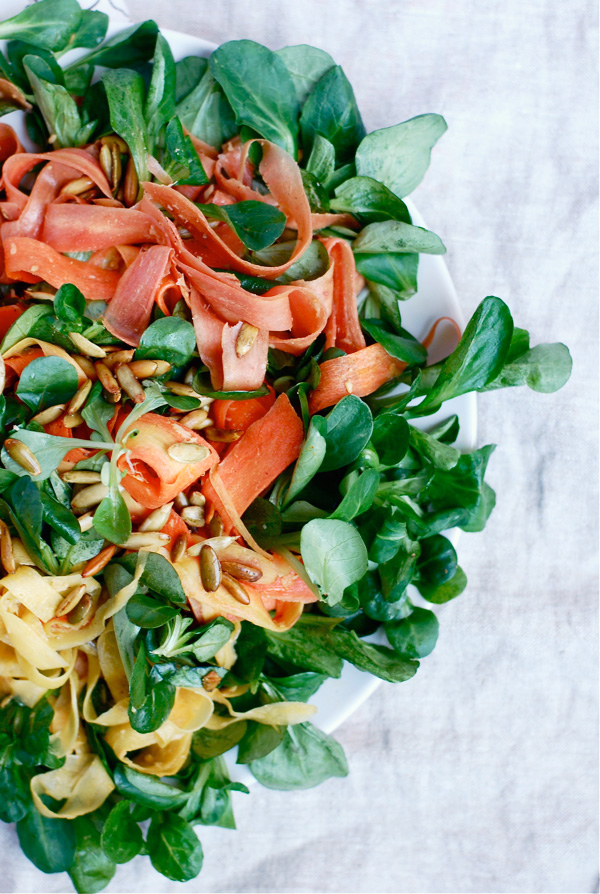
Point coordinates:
[(338, 699)]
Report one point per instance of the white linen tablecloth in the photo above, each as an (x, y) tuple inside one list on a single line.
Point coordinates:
[(480, 774)]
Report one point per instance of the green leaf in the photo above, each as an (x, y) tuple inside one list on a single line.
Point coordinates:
[(174, 848), (58, 108), (188, 74), (349, 428), (171, 339), (397, 236), (48, 843), (126, 96), (437, 562), (49, 23), (159, 107), (146, 611), (359, 497), (212, 638), (370, 200), (159, 576), (23, 325), (69, 306), (207, 744), (393, 271), (408, 350), (306, 65), (390, 438), (92, 868), (260, 90), (310, 459), (151, 697), (399, 156), (257, 224), (47, 381), (478, 357), (544, 368), (301, 648), (131, 46), (206, 390), (263, 521), (17, 50), (306, 758), (206, 113), (91, 30), (334, 556), (259, 740), (148, 790), (298, 687), (397, 572), (321, 161), (443, 456), (111, 519), (331, 111), (61, 519), (414, 636), (444, 592), (122, 838), (250, 650), (181, 160)]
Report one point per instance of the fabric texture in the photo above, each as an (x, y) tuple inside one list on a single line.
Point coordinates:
[(480, 774)]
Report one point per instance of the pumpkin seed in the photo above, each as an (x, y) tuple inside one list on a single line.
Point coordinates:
[(106, 378), (105, 160), (131, 184), (148, 540), (86, 346), (157, 519), (89, 496), (235, 589), (85, 364), (182, 390), (119, 357), (70, 601), (22, 455), (133, 506), (222, 435), (210, 569), (49, 415), (78, 400), (179, 548), (76, 187), (116, 166), (245, 339), (189, 376), (82, 476), (86, 521), (188, 452), (193, 516), (6, 549), (181, 501), (130, 384), (72, 420), (196, 499), (195, 419), (242, 572), (217, 543), (82, 611), (215, 526)]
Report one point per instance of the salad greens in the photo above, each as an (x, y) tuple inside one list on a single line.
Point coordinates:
[(358, 517)]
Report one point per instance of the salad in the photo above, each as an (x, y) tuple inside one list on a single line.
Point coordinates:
[(219, 473)]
